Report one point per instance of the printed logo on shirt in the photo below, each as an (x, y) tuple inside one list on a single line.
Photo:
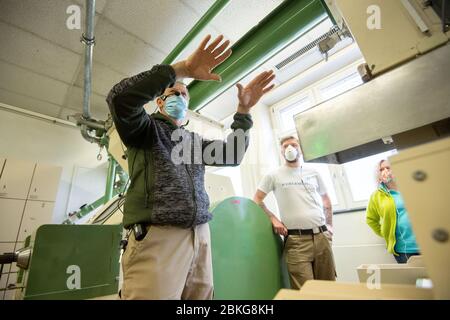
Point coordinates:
[(308, 186), (291, 184)]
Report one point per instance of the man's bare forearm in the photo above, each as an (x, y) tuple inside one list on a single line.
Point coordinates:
[(328, 215), (328, 210), (267, 211)]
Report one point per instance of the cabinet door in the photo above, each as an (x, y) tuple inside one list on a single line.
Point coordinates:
[(4, 248), (19, 245), (16, 178), (36, 214), (11, 287), (3, 285), (11, 211), (44, 185)]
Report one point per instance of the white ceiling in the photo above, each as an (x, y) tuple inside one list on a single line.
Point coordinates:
[(41, 61)]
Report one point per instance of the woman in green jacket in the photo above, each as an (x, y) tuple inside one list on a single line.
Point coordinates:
[(388, 218)]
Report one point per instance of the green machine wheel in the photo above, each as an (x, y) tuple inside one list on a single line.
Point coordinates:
[(246, 254)]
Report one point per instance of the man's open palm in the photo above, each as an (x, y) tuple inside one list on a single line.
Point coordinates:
[(205, 58), (250, 94)]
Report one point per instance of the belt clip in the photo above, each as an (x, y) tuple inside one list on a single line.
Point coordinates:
[(139, 231)]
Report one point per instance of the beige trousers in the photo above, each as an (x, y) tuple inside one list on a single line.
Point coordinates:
[(169, 263), (309, 257)]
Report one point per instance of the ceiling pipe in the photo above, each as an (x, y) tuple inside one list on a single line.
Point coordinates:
[(85, 134), (196, 29), (288, 22), (89, 40)]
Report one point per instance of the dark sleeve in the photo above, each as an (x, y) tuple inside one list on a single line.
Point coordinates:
[(126, 102), (229, 153)]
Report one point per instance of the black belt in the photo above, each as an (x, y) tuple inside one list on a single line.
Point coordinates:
[(307, 231)]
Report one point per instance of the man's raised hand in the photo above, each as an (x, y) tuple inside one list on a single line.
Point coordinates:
[(249, 95), (205, 58)]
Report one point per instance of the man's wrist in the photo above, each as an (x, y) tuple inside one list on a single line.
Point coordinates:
[(243, 110), (180, 69), (330, 228)]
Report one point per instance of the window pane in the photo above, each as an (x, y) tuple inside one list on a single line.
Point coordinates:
[(346, 83), (325, 174), (361, 175), (287, 113)]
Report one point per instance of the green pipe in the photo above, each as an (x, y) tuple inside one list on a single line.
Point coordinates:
[(85, 210), (199, 26), (91, 207), (110, 179), (281, 27), (330, 15)]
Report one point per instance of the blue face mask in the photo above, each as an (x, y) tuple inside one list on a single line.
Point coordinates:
[(176, 107)]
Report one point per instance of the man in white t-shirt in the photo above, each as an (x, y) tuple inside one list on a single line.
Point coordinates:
[(306, 217)]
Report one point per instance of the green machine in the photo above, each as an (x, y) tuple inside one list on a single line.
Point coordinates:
[(246, 254), (82, 261), (69, 262)]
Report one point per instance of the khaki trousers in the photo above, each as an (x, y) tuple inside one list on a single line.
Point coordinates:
[(169, 263), (309, 257)]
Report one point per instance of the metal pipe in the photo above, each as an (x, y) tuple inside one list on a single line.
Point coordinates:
[(92, 124), (87, 136), (84, 211), (281, 27), (110, 179), (199, 26), (89, 40)]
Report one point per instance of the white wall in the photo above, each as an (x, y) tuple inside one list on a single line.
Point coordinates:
[(26, 138), (354, 243), (262, 155)]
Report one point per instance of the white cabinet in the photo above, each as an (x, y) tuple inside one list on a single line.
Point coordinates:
[(11, 285), (36, 214), (16, 178), (27, 199), (44, 185), (3, 282), (4, 248), (2, 162), (11, 211)]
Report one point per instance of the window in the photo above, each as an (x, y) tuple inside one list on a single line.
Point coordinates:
[(343, 84), (361, 177), (287, 113), (339, 184), (349, 185)]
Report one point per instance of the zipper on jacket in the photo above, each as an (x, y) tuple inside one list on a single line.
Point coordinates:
[(193, 195)]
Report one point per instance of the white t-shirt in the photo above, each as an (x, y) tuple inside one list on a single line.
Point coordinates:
[(298, 192)]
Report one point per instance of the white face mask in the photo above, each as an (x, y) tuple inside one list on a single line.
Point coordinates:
[(290, 153)]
